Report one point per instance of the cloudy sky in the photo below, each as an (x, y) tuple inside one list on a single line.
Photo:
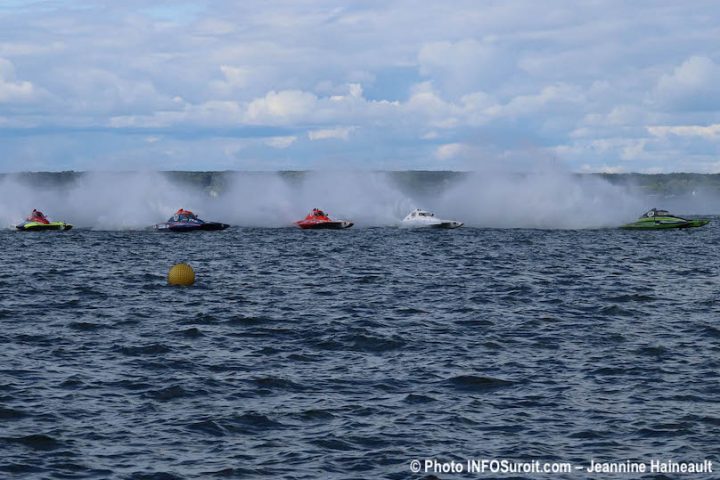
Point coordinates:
[(388, 84)]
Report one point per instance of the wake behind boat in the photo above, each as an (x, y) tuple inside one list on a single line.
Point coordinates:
[(662, 219), (187, 221), (37, 221), (423, 219), (319, 220)]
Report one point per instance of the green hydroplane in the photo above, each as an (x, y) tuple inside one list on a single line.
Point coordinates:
[(37, 226), (661, 219)]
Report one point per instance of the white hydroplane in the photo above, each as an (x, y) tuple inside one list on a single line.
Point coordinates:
[(422, 218)]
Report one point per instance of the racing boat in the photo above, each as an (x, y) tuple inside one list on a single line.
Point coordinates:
[(423, 219), (662, 219), (37, 221), (317, 219), (187, 221), (38, 226)]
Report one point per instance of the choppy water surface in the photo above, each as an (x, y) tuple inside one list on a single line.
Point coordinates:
[(347, 354)]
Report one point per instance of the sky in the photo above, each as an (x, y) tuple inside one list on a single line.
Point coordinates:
[(593, 86)]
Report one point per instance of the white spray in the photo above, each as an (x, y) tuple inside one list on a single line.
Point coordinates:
[(540, 200), (115, 201)]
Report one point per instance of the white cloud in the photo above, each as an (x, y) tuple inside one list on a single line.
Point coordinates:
[(710, 132), (602, 169), (280, 107), (236, 76), (281, 142), (12, 91), (583, 79), (634, 150), (462, 67), (91, 91), (426, 104), (215, 26), (209, 114), (15, 49), (355, 90), (557, 96), (341, 133), (618, 116), (694, 85), (449, 151)]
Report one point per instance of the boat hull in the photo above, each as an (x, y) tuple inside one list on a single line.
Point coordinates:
[(443, 224), (190, 226), (665, 225), (448, 224), (42, 227), (324, 225)]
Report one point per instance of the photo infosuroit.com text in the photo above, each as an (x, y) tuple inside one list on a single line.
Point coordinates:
[(507, 466)]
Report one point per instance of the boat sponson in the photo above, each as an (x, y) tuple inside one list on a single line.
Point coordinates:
[(39, 227), (332, 225)]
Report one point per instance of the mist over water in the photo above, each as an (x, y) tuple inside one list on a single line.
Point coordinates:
[(541, 200), (102, 201), (270, 200), (137, 200)]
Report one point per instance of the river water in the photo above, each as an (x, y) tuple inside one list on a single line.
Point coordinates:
[(349, 354)]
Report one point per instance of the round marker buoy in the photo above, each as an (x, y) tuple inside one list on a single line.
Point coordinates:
[(181, 274)]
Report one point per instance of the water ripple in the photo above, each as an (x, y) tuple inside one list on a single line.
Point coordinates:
[(347, 355)]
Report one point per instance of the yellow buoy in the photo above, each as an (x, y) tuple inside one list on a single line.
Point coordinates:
[(181, 274)]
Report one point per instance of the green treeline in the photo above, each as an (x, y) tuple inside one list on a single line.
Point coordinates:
[(417, 181)]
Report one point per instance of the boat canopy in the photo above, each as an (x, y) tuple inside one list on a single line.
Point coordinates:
[(657, 213), (421, 213), (184, 217)]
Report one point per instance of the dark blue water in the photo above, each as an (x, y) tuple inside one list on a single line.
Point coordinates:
[(348, 354)]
